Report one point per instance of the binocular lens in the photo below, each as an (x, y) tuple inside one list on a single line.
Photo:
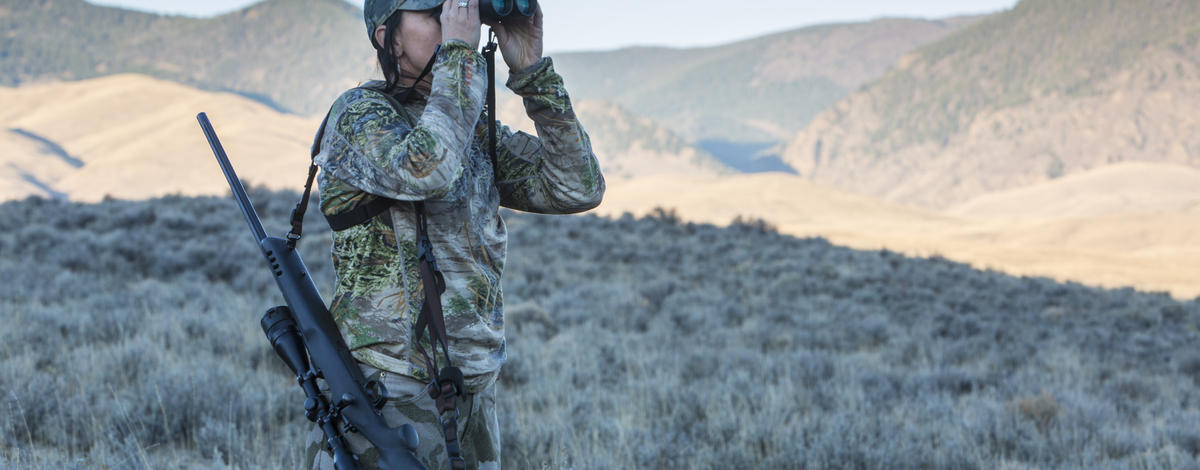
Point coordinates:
[(525, 7), (500, 8), (493, 10)]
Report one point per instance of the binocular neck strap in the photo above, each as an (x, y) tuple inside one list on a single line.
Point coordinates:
[(489, 53)]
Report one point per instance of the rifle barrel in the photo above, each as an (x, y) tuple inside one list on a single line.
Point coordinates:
[(239, 192)]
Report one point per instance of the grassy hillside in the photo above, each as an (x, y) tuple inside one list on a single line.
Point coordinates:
[(132, 136), (763, 89), (1125, 225), (133, 343), (1039, 48), (1121, 188), (631, 146), (296, 55), (1047, 89), (627, 145), (135, 137)]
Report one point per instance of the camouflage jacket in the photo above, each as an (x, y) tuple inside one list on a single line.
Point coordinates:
[(435, 151)]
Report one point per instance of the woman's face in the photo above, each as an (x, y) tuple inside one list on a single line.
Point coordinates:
[(420, 33)]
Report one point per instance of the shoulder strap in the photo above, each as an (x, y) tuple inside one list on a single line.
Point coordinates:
[(357, 216), (297, 221)]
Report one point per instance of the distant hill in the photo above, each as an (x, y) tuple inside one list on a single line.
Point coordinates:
[(1133, 224), (133, 136), (1120, 188), (762, 89), (295, 55), (1050, 88), (637, 147)]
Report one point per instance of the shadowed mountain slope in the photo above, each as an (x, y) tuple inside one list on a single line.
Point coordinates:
[(295, 55), (762, 89), (1050, 88)]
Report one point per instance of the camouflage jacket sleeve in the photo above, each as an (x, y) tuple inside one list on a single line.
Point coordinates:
[(369, 145), (555, 172)]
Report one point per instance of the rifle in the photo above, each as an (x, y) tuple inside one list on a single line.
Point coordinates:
[(306, 338)]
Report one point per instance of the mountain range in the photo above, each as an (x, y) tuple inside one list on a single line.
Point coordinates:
[(761, 89), (1029, 141), (297, 55), (293, 55), (1047, 89)]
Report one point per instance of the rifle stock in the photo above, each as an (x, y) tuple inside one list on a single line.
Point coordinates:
[(327, 357)]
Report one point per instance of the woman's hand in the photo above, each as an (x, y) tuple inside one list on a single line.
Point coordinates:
[(520, 40), (461, 23)]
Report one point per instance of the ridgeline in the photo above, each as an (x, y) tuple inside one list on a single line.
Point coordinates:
[(298, 55), (295, 55)]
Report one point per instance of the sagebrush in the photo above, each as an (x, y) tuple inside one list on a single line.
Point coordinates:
[(131, 340)]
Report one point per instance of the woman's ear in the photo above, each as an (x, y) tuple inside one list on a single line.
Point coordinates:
[(380, 35)]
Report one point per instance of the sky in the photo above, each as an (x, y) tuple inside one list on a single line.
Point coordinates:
[(575, 25)]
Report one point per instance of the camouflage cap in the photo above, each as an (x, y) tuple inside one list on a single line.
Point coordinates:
[(376, 12)]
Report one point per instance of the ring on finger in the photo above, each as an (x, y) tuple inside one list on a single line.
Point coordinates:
[(463, 4)]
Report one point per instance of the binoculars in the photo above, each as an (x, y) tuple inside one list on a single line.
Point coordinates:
[(499, 10)]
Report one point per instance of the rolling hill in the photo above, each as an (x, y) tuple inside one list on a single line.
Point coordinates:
[(762, 89), (134, 137), (296, 55), (1130, 225), (1048, 89), (1117, 189)]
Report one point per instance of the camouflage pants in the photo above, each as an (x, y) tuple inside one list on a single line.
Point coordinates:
[(408, 402)]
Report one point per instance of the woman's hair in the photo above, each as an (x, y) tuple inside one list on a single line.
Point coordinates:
[(386, 52)]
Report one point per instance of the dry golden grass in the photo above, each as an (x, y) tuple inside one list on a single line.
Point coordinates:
[(1150, 239), (1134, 224), (138, 137), (1121, 188)]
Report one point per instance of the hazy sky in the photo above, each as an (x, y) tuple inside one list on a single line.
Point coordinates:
[(595, 25)]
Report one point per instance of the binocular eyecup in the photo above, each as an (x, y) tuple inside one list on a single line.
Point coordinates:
[(499, 10)]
